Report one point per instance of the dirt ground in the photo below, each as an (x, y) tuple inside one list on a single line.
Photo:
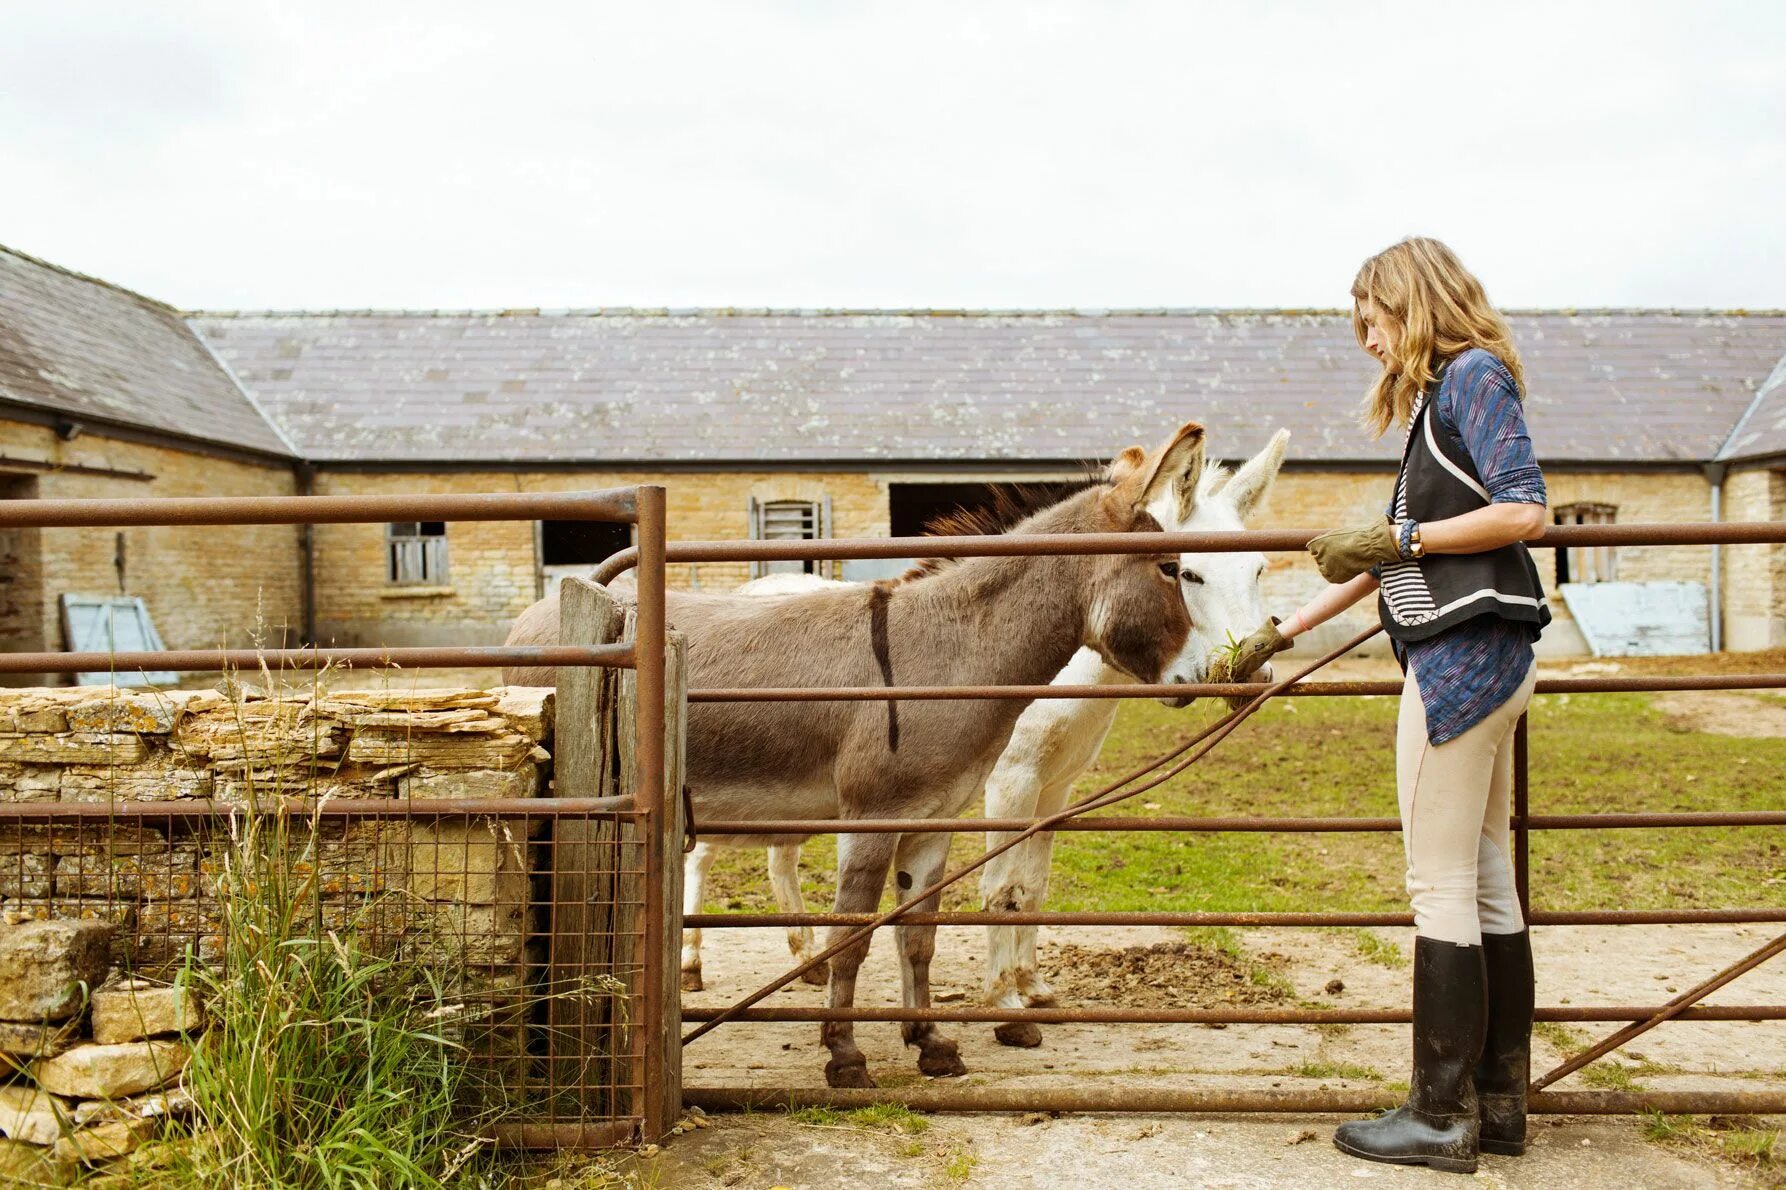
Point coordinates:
[(1132, 966)]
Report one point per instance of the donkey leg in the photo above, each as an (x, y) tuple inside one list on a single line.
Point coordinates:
[(784, 879), (862, 862), (694, 893), (1037, 862), (1010, 793), (920, 861)]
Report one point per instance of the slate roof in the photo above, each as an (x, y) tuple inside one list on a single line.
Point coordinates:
[(84, 348), (739, 387), (1762, 431)]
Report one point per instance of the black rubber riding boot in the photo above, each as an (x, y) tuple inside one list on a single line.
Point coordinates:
[(1506, 1066), (1437, 1126)]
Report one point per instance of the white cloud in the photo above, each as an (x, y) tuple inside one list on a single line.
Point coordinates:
[(921, 154)]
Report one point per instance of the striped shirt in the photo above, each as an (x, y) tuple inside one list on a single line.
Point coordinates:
[(1465, 673)]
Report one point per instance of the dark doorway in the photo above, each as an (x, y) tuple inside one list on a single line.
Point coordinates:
[(912, 506), (574, 548)]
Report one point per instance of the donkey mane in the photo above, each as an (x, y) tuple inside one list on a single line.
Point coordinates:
[(1015, 503), (1010, 507)]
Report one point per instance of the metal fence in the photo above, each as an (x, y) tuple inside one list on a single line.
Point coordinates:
[(1524, 821), (542, 920), (591, 1039)]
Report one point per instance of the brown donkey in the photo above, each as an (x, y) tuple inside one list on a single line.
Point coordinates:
[(986, 621)]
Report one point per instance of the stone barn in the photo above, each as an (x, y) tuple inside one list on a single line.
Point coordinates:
[(105, 393), (792, 424)]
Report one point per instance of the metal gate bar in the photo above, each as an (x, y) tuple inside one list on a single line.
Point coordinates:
[(1145, 917), (1215, 1016), (1062, 544), (1537, 822), (1164, 1100), (1627, 684)]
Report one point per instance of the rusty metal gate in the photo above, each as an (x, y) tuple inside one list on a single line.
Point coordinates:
[(607, 906), (576, 1028), (1639, 1017)]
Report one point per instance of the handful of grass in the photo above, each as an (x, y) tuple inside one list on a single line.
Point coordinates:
[(1221, 669)]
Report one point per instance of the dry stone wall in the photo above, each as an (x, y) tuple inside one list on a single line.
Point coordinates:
[(450, 883), (88, 1064)]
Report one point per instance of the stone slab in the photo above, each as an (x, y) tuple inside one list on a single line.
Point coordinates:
[(104, 1142), (32, 1115), (29, 1165), (136, 1009), (21, 1041), (74, 747), (47, 967), (111, 1071), (482, 862), (428, 782)]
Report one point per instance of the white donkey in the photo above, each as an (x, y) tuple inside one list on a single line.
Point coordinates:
[(1054, 741)]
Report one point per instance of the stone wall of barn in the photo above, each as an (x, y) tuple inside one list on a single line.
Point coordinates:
[(1755, 575), (491, 565), (204, 586)]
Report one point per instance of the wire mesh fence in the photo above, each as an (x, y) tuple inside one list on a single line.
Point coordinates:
[(398, 860)]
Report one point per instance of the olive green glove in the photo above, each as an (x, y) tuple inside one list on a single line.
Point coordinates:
[(1256, 650), (1344, 554)]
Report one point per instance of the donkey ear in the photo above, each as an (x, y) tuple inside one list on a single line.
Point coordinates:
[(1251, 484), (1173, 469), (1127, 461)]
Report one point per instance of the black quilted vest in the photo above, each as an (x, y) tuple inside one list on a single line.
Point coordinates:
[(1424, 597)]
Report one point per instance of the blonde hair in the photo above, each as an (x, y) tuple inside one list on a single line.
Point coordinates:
[(1438, 309)]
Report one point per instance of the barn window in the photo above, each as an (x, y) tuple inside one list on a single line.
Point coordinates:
[(416, 553), (1592, 563), (790, 520)]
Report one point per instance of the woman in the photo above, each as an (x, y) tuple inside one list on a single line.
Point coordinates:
[(1461, 600)]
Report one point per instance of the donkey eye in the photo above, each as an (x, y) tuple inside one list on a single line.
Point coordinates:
[(1190, 576), (1169, 569)]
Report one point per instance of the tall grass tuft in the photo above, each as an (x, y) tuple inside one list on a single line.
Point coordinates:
[(328, 1062)]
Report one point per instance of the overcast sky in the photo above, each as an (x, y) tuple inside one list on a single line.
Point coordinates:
[(320, 155)]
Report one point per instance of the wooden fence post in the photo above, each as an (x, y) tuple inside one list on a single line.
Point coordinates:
[(587, 940), (598, 884)]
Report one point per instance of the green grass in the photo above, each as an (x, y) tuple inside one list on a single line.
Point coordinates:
[(1750, 1144), (889, 1117), (1561, 1037), (1336, 757), (822, 1117), (1381, 951), (1612, 1076), (1345, 1070), (878, 1117)]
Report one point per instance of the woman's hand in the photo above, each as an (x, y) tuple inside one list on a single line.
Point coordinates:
[(1265, 643), (1344, 554)]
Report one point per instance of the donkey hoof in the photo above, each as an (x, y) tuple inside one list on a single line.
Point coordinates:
[(691, 979), (850, 1073), (1042, 997), (941, 1059), (1021, 1034), (818, 977)]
